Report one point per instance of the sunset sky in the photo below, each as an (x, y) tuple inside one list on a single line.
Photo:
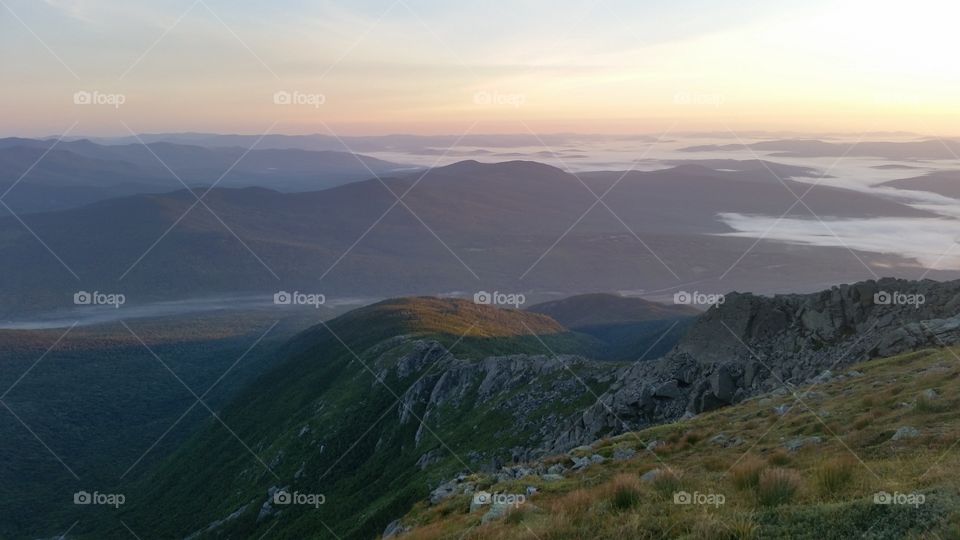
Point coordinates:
[(430, 66)]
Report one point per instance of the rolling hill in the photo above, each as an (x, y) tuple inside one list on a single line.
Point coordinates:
[(367, 410)]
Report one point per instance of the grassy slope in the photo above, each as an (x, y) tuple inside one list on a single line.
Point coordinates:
[(350, 420), (834, 481)]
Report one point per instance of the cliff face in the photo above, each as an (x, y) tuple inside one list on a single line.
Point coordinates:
[(752, 344)]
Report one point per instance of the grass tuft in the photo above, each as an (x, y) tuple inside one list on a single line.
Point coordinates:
[(778, 486), (746, 474), (835, 475)]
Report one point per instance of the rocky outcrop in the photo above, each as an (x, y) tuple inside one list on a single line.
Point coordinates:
[(531, 390), (752, 344)]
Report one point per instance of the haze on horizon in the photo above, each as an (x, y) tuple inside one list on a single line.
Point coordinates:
[(428, 67)]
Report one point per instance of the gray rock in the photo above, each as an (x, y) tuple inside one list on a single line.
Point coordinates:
[(781, 410), (551, 477), (443, 492), (622, 453), (653, 445), (721, 439), (794, 445), (723, 385), (668, 390), (824, 377), (556, 469), (394, 529), (497, 511), (651, 475), (430, 458), (905, 432)]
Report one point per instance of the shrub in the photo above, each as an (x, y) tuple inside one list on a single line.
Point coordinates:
[(692, 438), (778, 486), (746, 474), (779, 458), (667, 482), (575, 504), (624, 492), (926, 404), (742, 527), (834, 475)]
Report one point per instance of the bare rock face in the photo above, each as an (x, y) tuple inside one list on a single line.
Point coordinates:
[(751, 344)]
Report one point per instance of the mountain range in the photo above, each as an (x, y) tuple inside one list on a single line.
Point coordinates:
[(464, 227), (44, 175)]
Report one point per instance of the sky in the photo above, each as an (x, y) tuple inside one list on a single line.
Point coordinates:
[(108, 67)]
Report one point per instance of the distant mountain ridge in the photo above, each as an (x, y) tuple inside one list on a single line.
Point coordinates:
[(901, 150), (45, 175), (464, 227)]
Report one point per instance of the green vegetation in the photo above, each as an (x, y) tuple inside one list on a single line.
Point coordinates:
[(99, 400), (320, 422)]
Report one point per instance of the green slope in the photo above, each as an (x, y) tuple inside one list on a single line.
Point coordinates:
[(340, 416)]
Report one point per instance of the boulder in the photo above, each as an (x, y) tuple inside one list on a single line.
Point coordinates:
[(905, 432)]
